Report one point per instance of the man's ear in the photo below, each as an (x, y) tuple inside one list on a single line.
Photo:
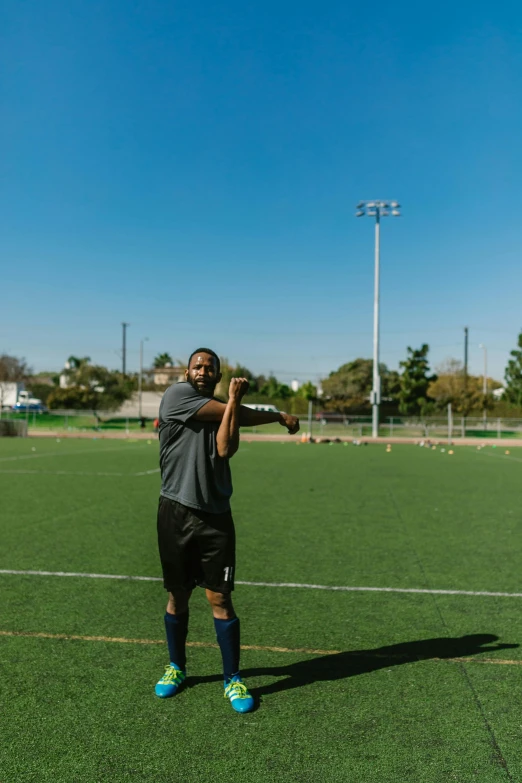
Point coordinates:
[(218, 377), (186, 375)]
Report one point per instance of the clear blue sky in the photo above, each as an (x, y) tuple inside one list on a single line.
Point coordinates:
[(192, 168)]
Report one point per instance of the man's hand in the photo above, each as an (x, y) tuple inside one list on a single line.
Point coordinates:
[(290, 422), (237, 389)]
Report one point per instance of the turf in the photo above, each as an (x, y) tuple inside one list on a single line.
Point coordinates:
[(392, 687)]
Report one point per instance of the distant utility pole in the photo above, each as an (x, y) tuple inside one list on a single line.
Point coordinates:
[(124, 348), (140, 378), (485, 384), (376, 209), (466, 335)]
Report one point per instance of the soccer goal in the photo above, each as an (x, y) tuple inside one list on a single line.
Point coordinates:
[(10, 428)]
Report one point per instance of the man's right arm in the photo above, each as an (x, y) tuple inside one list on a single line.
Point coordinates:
[(214, 410)]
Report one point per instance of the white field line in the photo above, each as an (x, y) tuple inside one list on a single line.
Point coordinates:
[(339, 588), (60, 473), (500, 456), (75, 473), (87, 576), (62, 453)]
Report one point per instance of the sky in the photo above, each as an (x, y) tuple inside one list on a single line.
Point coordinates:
[(193, 169)]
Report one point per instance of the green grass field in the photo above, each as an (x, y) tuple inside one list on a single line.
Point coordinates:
[(369, 686)]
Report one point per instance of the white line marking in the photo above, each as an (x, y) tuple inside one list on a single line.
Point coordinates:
[(87, 576), (75, 473), (341, 588), (381, 589), (62, 453), (61, 473), (500, 456)]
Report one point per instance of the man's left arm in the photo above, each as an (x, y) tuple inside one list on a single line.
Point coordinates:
[(227, 438), (249, 417)]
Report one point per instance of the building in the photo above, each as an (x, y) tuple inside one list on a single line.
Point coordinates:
[(167, 375), (64, 376)]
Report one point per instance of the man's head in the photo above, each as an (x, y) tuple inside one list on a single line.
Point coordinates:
[(203, 371)]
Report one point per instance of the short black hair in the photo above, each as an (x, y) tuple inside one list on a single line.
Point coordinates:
[(205, 350)]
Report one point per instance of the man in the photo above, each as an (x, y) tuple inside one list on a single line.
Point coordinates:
[(198, 436)]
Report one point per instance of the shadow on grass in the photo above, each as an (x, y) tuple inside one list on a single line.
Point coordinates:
[(339, 666)]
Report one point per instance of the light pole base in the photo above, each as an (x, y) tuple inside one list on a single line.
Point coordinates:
[(375, 421)]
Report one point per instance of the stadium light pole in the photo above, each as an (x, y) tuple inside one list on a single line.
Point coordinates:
[(485, 383), (140, 376), (377, 210)]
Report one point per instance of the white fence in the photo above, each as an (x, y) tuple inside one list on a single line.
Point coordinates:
[(437, 427), (323, 424)]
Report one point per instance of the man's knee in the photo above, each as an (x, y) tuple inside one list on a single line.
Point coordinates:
[(178, 602), (221, 603)]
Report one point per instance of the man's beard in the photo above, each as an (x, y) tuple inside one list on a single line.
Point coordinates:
[(205, 391)]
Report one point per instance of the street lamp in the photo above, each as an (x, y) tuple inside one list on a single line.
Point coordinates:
[(377, 209), (145, 339), (485, 383)]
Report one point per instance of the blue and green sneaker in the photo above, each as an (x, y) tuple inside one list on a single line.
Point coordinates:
[(236, 691), (171, 681)]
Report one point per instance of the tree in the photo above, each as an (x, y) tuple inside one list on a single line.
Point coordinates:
[(228, 372), (73, 366), (308, 391), (452, 386), (414, 382), (76, 363), (350, 386), (163, 359), (391, 385), (513, 376), (13, 369), (275, 390), (351, 382), (93, 388)]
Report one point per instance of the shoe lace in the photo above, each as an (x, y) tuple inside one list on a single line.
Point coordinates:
[(172, 676), (237, 688)]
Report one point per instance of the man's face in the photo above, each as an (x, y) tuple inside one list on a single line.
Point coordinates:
[(203, 374)]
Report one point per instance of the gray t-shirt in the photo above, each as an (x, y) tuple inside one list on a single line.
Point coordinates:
[(192, 472)]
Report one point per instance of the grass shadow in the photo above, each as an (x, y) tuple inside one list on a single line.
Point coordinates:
[(338, 666), (342, 665)]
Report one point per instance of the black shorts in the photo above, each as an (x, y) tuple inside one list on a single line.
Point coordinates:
[(196, 548)]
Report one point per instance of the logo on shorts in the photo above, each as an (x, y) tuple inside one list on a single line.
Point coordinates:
[(229, 573)]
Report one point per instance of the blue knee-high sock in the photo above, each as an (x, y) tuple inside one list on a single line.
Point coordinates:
[(227, 632), (176, 626)]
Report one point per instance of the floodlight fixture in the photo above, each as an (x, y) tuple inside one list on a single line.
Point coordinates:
[(377, 208)]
